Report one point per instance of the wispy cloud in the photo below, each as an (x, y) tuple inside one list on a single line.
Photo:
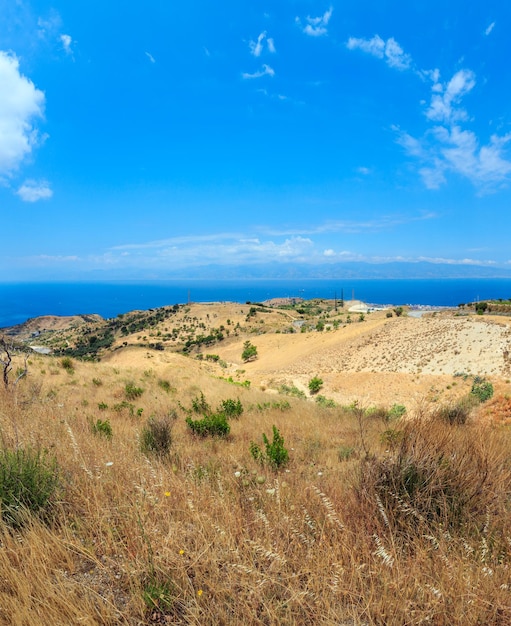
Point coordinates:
[(448, 147), (379, 224), (316, 26), (257, 47), (389, 50), (18, 114), (34, 190), (150, 57), (265, 71), (67, 42), (446, 98), (489, 29)]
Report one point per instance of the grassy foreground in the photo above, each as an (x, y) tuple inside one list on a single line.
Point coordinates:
[(373, 520)]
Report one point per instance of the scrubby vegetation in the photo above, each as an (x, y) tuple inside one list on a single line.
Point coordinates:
[(148, 491)]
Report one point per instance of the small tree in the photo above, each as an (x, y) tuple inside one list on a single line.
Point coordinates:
[(315, 384), (249, 352)]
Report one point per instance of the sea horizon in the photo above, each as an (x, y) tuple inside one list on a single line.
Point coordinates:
[(20, 301)]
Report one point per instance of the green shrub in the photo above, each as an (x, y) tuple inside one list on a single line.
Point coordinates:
[(214, 425), (102, 406), (120, 407), (67, 364), (102, 428), (200, 405), (231, 408), (166, 386), (249, 352), (326, 402), (291, 390), (275, 453), (396, 411), (97, 382), (156, 436), (432, 479), (315, 384), (457, 412), (482, 389), (132, 392), (28, 482)]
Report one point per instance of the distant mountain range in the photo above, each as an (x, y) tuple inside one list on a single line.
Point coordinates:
[(290, 271), (286, 271)]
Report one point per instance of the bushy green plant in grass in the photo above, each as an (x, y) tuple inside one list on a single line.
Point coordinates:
[(102, 428), (120, 407), (231, 408), (200, 405), (156, 436), (275, 453), (315, 384), (482, 389), (291, 390), (326, 402), (214, 425), (166, 386), (67, 365), (430, 479), (28, 483), (396, 411), (132, 392), (458, 412)]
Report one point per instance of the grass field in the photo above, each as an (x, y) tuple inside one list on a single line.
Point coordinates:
[(379, 516)]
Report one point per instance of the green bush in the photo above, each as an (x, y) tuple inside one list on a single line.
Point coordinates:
[(249, 352), (200, 405), (28, 482), (456, 413), (132, 392), (275, 453), (166, 386), (67, 364), (156, 436), (231, 408), (326, 402), (315, 384), (291, 390), (102, 428), (213, 425), (482, 389), (396, 411)]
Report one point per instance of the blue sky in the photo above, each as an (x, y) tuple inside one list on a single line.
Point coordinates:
[(142, 139)]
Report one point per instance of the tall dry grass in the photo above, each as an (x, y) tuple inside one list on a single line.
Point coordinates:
[(411, 529)]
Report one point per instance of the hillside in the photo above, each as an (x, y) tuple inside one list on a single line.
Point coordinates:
[(150, 497)]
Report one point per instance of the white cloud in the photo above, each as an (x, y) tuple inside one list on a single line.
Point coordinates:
[(489, 29), (388, 50), (66, 41), (316, 26), (34, 190), (265, 71), (447, 147), (20, 104), (445, 97), (150, 57), (257, 47), (365, 171)]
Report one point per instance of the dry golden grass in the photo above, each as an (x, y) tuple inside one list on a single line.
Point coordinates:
[(199, 538)]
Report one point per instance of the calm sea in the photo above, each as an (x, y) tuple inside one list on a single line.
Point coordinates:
[(20, 301)]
